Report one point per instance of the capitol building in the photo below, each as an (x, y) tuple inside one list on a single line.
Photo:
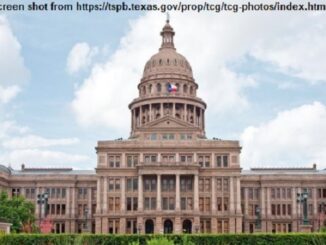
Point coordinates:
[(168, 177)]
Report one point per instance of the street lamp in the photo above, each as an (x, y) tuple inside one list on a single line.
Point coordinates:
[(258, 217), (303, 199), (42, 199)]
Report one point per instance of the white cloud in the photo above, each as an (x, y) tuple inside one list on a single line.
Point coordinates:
[(103, 96), (295, 137), (35, 141), (13, 72), (37, 158), (8, 93), (80, 57)]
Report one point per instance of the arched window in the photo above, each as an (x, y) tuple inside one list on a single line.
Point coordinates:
[(144, 90), (158, 87), (150, 88), (185, 88), (168, 61), (191, 90), (160, 62)]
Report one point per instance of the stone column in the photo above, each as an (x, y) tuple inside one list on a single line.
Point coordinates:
[(158, 193), (123, 194), (238, 208), (141, 115), (105, 195), (314, 203), (246, 204), (73, 200), (140, 193), (268, 198), (161, 109), (231, 196), (90, 214), (186, 113), (196, 193), (123, 160), (173, 109), (213, 191), (150, 112), (98, 196), (294, 203), (177, 192), (68, 201)]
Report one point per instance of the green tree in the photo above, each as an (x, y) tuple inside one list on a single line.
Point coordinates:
[(18, 212)]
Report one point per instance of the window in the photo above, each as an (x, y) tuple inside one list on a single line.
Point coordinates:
[(205, 225), (186, 203), (168, 183), (30, 193), (168, 158), (186, 158), (114, 161), (168, 203), (219, 204), (150, 158), (132, 161), (159, 86), (114, 226), (150, 184), (150, 203), (153, 136), (186, 184), (15, 191), (114, 184), (82, 193), (204, 161), (226, 203), (226, 184), (185, 136), (131, 226), (222, 161), (132, 203), (132, 184), (219, 184), (204, 204), (168, 136), (114, 204), (205, 184)]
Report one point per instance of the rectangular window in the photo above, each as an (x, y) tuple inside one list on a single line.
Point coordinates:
[(132, 203), (219, 204), (132, 161), (204, 161), (186, 158), (132, 184), (114, 161), (222, 161), (150, 158), (150, 203)]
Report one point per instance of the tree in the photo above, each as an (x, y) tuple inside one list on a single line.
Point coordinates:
[(18, 212)]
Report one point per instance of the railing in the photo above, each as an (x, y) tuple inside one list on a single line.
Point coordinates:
[(169, 164)]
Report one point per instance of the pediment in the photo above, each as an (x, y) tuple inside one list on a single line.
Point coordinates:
[(168, 122)]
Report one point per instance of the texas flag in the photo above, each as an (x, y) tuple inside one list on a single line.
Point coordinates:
[(172, 88)]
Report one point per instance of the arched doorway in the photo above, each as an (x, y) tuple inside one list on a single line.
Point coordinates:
[(187, 226), (149, 226), (168, 226)]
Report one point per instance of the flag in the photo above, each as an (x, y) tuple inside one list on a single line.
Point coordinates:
[(172, 88)]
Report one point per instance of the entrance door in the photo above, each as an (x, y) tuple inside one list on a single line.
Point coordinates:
[(168, 226), (187, 226), (149, 226)]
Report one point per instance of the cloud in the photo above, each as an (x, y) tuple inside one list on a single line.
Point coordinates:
[(80, 57), (8, 93), (37, 158), (274, 39), (35, 141), (13, 72), (295, 137)]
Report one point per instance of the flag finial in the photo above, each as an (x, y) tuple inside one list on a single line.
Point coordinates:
[(167, 17)]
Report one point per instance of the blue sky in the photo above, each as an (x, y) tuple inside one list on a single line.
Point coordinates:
[(66, 81)]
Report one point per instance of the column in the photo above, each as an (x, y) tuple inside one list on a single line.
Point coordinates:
[(90, 214), (150, 112), (213, 195), (68, 201), (196, 193), (158, 193), (173, 109), (238, 208), (140, 193), (123, 194), (73, 199), (246, 202), (177, 193), (98, 196), (294, 202), (263, 209), (161, 109), (268, 198), (105, 195), (201, 118), (185, 113), (141, 115), (314, 203), (231, 196)]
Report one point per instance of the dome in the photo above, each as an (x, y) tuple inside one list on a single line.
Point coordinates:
[(167, 61)]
